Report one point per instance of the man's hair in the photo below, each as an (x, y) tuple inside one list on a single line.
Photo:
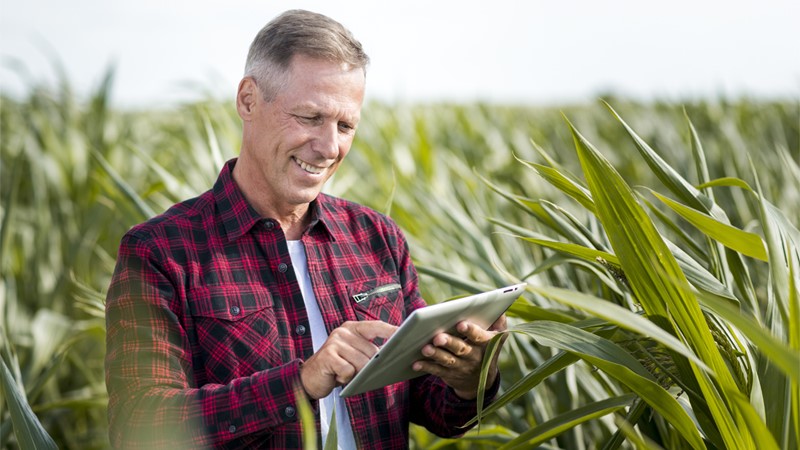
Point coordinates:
[(299, 32)]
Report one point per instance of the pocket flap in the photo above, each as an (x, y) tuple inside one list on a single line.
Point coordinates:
[(228, 302)]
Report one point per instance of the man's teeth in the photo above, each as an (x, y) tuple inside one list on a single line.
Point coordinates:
[(308, 167)]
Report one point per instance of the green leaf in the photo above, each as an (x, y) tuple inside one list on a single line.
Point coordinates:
[(743, 242), (694, 272), (564, 184), (145, 211), (27, 428), (454, 280), (786, 359), (619, 316), (588, 254), (727, 181), (668, 175), (794, 344), (308, 422), (524, 385), (617, 363), (492, 348), (529, 313), (639, 442), (658, 282), (332, 439), (559, 424)]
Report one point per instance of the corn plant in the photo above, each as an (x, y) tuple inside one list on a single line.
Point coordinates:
[(597, 356), (689, 353)]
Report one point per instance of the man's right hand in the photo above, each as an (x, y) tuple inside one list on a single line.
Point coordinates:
[(344, 353)]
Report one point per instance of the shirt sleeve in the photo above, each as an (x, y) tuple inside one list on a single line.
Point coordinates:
[(436, 406), (153, 400)]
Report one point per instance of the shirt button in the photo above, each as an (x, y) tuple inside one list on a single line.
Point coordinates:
[(289, 411), (269, 224), (232, 428), (235, 310), (282, 267), (301, 330)]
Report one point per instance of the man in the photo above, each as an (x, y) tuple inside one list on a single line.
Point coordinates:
[(227, 307)]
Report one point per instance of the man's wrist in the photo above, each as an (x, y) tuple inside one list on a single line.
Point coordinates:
[(472, 395)]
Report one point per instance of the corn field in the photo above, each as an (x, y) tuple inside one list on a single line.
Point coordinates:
[(659, 241)]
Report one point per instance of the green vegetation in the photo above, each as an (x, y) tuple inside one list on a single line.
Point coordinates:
[(659, 240)]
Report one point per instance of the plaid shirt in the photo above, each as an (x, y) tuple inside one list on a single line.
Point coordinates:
[(207, 326)]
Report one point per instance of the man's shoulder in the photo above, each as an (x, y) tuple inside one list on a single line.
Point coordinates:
[(185, 215)]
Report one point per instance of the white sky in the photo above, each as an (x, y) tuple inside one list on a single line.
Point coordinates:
[(494, 50)]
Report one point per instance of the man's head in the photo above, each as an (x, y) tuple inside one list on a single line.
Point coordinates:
[(299, 32), (296, 131)]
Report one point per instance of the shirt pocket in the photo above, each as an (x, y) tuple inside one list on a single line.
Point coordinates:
[(235, 330), (378, 299)]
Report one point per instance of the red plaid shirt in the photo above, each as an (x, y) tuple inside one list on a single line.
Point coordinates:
[(207, 326)]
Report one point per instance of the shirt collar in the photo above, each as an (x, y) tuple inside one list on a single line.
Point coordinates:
[(238, 216)]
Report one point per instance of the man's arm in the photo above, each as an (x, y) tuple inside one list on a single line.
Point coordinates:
[(154, 401)]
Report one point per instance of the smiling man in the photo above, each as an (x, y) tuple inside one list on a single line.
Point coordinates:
[(227, 307)]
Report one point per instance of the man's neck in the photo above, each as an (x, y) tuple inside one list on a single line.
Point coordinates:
[(293, 219)]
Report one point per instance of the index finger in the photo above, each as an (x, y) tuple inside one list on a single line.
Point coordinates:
[(371, 329)]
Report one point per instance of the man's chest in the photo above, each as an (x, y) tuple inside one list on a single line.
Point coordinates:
[(245, 309)]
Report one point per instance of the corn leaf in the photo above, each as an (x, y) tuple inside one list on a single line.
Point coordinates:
[(619, 316), (549, 367), (559, 424), (564, 184), (618, 364), (658, 283), (743, 242), (307, 420), (27, 428), (669, 176)]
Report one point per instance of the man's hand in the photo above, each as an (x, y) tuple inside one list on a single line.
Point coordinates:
[(457, 359), (344, 353)]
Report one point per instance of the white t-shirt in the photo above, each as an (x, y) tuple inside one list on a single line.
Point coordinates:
[(319, 334)]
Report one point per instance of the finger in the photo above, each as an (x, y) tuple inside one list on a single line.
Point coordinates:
[(371, 329), (345, 339), (500, 324), (452, 344), (445, 358), (449, 373), (474, 333), (344, 370)]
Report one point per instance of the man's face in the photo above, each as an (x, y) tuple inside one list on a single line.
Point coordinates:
[(293, 144)]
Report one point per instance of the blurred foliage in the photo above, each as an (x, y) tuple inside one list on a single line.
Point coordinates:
[(77, 174)]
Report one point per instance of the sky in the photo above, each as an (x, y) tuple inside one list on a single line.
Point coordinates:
[(532, 52)]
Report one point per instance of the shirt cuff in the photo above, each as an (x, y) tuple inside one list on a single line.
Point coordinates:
[(278, 393)]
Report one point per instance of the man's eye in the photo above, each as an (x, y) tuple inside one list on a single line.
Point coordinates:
[(345, 127), (309, 119)]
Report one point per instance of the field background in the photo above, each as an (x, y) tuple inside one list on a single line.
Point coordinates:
[(465, 182)]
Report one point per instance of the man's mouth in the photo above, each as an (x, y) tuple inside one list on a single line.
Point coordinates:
[(308, 167)]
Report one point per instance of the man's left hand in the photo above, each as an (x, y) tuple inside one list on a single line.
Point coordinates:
[(457, 359)]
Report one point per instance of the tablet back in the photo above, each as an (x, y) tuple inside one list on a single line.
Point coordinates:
[(393, 361)]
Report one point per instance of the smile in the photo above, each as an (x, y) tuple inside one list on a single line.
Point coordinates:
[(308, 167)]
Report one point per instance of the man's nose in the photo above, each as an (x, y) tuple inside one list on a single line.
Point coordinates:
[(328, 141)]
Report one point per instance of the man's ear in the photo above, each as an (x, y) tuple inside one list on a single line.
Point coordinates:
[(247, 98)]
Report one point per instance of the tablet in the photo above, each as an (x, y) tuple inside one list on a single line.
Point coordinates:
[(393, 361)]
